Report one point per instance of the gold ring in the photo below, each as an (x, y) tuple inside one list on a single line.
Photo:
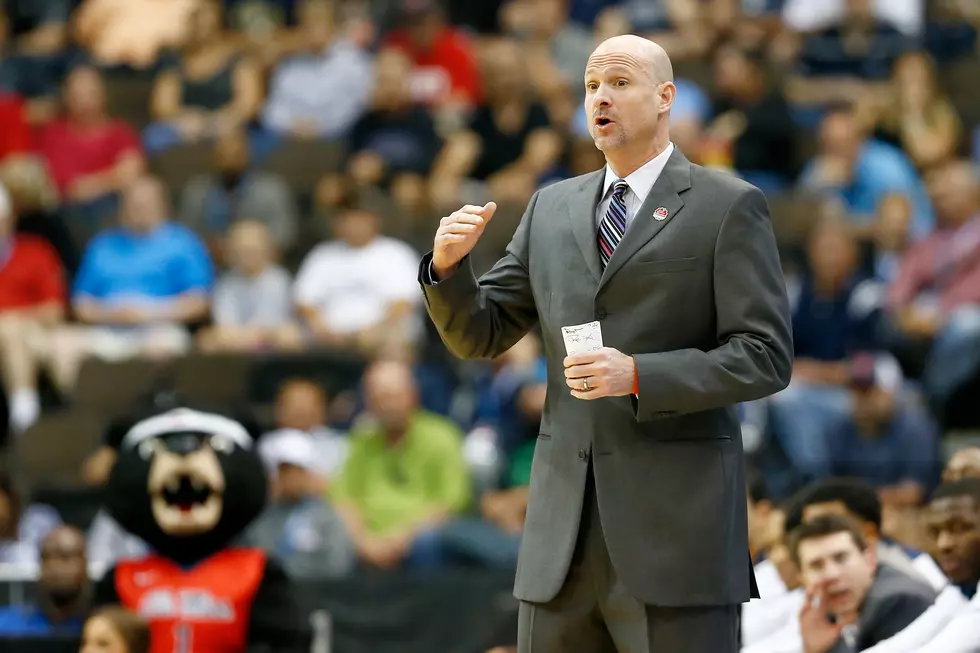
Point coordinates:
[(585, 384)]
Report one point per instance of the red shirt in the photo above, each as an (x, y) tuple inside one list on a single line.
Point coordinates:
[(15, 133), (206, 609), (448, 68), (32, 275), (72, 153)]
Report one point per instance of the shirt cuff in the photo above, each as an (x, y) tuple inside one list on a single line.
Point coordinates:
[(636, 379), (429, 276)]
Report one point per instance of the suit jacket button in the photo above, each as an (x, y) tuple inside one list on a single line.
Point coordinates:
[(600, 314), (583, 454)]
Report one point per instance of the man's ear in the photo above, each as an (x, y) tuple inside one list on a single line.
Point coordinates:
[(667, 94)]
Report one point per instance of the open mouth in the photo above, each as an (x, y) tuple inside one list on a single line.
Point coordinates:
[(185, 492), (602, 122)]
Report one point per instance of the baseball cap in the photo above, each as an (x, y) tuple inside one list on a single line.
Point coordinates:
[(875, 371), (288, 447)]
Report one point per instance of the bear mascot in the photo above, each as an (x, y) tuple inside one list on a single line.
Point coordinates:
[(188, 483)]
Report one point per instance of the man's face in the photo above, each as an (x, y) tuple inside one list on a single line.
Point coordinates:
[(143, 205), (356, 228), (954, 192), (954, 527), (250, 249), (300, 406), (622, 100), (965, 463), (506, 71), (836, 565), (839, 135), (293, 483), (84, 93), (391, 395), (872, 407), (63, 565), (832, 252)]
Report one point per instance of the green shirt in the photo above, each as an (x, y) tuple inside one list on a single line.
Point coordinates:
[(395, 486)]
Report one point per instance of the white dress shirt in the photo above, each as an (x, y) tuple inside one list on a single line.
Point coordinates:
[(640, 183)]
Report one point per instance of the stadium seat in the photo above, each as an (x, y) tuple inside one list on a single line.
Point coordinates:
[(220, 379), (178, 165), (53, 449), (113, 388), (303, 163)]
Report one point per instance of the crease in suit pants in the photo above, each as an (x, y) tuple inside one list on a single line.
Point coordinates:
[(593, 612)]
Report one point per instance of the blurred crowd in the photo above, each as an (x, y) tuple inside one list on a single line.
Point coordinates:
[(260, 177)]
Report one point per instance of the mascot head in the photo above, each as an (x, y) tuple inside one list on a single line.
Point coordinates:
[(187, 482)]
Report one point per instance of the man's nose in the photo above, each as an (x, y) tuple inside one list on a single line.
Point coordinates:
[(945, 542)]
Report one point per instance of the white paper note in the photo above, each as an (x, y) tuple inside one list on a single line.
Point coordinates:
[(582, 338)]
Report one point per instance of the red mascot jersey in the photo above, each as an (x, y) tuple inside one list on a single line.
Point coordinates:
[(205, 609)]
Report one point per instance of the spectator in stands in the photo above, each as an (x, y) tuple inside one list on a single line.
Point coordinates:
[(685, 28), (115, 630), (935, 298), (860, 171), (251, 309), (915, 114), (22, 528), (301, 406), (37, 30), (847, 58), (35, 201), (138, 287), (305, 86), (891, 237), (212, 90), (91, 156), (405, 476), (834, 311), (888, 441), (771, 612), (805, 16), (63, 589), (556, 51), (15, 138), (509, 146), (234, 191), (859, 501), (32, 303), (445, 77), (395, 143), (954, 525), (360, 289), (952, 622), (853, 600), (299, 527), (131, 33), (752, 121), (965, 463)]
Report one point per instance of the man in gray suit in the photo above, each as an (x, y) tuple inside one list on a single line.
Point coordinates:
[(853, 601), (635, 537)]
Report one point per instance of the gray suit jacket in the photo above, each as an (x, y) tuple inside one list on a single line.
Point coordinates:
[(699, 300), (894, 601)]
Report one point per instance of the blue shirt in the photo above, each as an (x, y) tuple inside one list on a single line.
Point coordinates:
[(28, 621), (907, 450), (880, 170), (119, 266), (834, 328)]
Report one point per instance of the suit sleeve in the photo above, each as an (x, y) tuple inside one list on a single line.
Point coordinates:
[(754, 356), (280, 622), (484, 318)]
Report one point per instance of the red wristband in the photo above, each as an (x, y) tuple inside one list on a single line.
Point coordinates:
[(636, 379)]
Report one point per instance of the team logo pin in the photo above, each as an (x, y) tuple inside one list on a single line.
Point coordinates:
[(660, 214)]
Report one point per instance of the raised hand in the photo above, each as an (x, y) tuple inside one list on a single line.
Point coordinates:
[(457, 235)]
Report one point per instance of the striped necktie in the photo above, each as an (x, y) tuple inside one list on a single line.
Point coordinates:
[(613, 224)]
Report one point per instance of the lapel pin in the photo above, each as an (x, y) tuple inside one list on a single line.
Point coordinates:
[(660, 214)]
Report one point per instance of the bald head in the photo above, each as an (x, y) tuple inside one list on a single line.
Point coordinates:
[(629, 90), (647, 54)]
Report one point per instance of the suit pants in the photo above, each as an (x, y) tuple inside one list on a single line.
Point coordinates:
[(593, 612)]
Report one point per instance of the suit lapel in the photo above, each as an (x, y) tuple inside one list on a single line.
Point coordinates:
[(581, 211), (665, 194)]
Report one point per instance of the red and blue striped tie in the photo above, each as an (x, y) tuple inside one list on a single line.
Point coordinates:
[(613, 224)]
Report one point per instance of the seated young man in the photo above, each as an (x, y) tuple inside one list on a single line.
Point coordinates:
[(853, 601)]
